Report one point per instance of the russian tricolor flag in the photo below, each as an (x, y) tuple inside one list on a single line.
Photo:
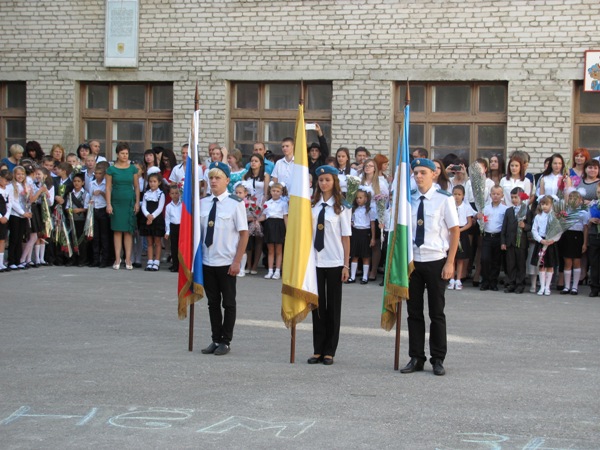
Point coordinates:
[(190, 286)]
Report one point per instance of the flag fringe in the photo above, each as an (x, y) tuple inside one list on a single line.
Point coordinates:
[(183, 300), (312, 302)]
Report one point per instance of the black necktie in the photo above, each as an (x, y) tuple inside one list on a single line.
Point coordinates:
[(320, 236), (420, 237), (210, 231)]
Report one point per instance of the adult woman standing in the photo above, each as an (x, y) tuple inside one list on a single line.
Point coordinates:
[(577, 172), (589, 183), (83, 151), (331, 231), (58, 153), (515, 178), (440, 176), (234, 159), (34, 151), (122, 203), (16, 153)]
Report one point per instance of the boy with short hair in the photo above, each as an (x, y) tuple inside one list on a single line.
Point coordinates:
[(90, 167), (101, 240), (516, 255), (493, 217), (62, 188), (172, 221), (78, 202)]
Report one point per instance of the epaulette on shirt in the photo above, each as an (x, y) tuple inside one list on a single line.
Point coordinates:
[(446, 193), (414, 191), (237, 199), (345, 204)]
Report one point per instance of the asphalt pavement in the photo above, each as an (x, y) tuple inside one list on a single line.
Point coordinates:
[(97, 358)]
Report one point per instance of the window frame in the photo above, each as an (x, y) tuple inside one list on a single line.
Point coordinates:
[(111, 115), (7, 113), (263, 115), (429, 119), (583, 119)]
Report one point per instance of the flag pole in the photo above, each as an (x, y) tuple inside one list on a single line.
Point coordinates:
[(193, 171), (399, 304)]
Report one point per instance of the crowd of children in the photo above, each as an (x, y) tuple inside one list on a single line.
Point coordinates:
[(47, 204)]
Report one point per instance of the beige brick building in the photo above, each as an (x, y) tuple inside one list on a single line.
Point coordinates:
[(488, 76)]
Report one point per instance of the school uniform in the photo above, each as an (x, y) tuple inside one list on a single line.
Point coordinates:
[(153, 204), (172, 223), (230, 220), (490, 246), (431, 242), (329, 262), (274, 226), (101, 240), (538, 230), (18, 225), (62, 188), (283, 172), (570, 244), (79, 200), (465, 212), (516, 256), (361, 232), (5, 209), (89, 177)]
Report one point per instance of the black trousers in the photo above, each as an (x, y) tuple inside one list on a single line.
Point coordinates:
[(327, 317), (516, 260), (81, 257), (101, 243), (174, 241), (17, 227), (490, 259), (427, 275), (593, 253), (220, 290)]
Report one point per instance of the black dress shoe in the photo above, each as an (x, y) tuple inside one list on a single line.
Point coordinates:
[(210, 349), (438, 368), (222, 349), (103, 266), (363, 281), (509, 289), (484, 287), (327, 361), (519, 289), (414, 365), (593, 294), (137, 265), (315, 359), (494, 288), (475, 283), (350, 281)]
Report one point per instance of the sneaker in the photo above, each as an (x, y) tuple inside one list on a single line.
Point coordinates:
[(547, 291), (541, 291), (276, 276), (532, 290), (458, 285), (451, 284), (269, 275), (242, 273)]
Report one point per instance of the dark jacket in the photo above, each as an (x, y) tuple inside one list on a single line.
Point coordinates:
[(510, 224)]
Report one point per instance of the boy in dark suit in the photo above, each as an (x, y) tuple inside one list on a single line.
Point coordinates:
[(63, 185), (516, 256)]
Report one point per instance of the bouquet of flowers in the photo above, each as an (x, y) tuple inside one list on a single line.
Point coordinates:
[(46, 218), (74, 239), (77, 169), (88, 228), (61, 232), (381, 204), (559, 220), (254, 210), (478, 178), (353, 182), (521, 215)]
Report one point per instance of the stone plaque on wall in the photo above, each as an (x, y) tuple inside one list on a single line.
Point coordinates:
[(121, 33)]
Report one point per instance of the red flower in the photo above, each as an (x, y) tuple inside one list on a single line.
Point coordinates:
[(561, 184), (264, 206), (485, 219), (257, 210), (523, 196)]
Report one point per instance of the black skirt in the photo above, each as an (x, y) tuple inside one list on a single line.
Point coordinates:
[(464, 249), (570, 244), (549, 259), (360, 243), (274, 231), (37, 226), (157, 227)]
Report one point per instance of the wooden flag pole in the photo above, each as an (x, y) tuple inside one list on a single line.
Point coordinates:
[(191, 326), (293, 344), (399, 304)]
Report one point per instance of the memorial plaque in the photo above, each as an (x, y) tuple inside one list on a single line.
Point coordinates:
[(121, 33)]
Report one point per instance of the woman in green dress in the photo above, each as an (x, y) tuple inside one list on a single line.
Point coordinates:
[(122, 203)]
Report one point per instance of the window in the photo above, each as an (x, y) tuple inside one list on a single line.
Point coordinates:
[(267, 112), (587, 120), (138, 113), (12, 115), (464, 118)]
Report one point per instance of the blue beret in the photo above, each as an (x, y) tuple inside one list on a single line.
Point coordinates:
[(326, 169), (423, 162), (221, 166)]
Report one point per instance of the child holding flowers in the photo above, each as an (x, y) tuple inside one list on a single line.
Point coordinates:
[(573, 243), (274, 215)]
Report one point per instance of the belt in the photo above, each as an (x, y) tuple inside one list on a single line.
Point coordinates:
[(491, 234)]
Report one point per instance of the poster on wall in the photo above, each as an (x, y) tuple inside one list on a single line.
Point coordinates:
[(591, 78), (121, 33)]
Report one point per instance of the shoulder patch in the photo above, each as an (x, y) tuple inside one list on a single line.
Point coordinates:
[(414, 191), (346, 204), (446, 193), (237, 199)]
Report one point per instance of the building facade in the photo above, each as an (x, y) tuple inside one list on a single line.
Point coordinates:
[(486, 76)]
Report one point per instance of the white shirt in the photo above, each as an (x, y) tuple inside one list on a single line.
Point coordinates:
[(361, 219), (88, 181), (49, 194), (17, 199), (510, 184), (81, 195), (4, 192), (177, 174), (229, 221), (99, 200), (336, 226), (255, 188), (276, 209), (540, 223), (344, 179), (172, 215), (100, 158), (283, 172), (583, 217), (495, 217), (464, 211), (153, 196), (550, 184), (439, 210)]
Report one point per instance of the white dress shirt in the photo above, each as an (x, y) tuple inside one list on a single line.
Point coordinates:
[(276, 209), (336, 226), (283, 172), (361, 219), (495, 217), (153, 196), (99, 200), (172, 215)]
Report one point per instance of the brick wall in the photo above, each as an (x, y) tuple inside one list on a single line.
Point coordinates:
[(363, 46)]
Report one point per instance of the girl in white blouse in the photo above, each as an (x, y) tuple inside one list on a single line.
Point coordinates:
[(515, 178)]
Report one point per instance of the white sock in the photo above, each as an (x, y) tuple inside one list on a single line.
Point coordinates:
[(42, 252), (36, 252), (157, 262), (278, 271), (365, 271), (567, 275), (270, 271), (542, 276), (549, 276), (243, 263), (576, 276), (2, 259), (353, 267)]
